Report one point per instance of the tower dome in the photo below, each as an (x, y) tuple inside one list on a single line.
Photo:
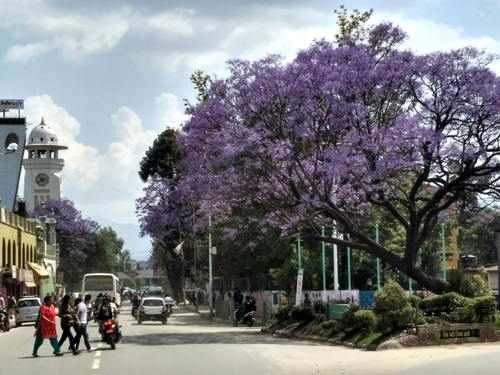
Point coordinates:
[(42, 135)]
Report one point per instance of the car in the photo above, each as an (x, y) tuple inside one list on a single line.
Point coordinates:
[(27, 310), (152, 309)]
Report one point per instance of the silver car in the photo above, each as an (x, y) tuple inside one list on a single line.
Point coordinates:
[(27, 310)]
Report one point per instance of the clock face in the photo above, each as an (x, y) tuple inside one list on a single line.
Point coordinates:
[(42, 179)]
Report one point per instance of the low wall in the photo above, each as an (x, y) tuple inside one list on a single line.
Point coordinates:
[(445, 334)]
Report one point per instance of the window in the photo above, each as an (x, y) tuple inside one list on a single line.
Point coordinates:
[(11, 138), (42, 154), (36, 200), (32, 140), (32, 154), (52, 139), (99, 283), (47, 197), (41, 139), (28, 303), (153, 302)]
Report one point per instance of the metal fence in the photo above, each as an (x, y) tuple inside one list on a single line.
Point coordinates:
[(251, 284)]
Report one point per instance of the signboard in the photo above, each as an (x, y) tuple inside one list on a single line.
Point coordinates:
[(11, 103), (139, 274), (131, 274), (300, 279), (459, 333), (159, 273), (60, 278), (119, 268)]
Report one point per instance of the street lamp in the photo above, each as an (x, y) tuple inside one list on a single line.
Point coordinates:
[(11, 148)]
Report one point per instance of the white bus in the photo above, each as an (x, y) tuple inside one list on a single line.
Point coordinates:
[(95, 283)]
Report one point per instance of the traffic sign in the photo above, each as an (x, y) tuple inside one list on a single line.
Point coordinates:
[(131, 274), (119, 268)]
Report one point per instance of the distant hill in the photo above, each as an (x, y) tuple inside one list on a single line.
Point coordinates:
[(139, 247)]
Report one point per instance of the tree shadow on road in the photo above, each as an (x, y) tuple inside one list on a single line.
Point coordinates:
[(203, 338)]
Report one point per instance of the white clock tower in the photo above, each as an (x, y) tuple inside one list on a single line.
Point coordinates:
[(42, 180)]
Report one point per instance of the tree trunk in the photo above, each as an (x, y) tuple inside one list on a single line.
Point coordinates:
[(431, 283)]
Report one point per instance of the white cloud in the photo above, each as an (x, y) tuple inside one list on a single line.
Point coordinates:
[(176, 22), (169, 111), (124, 155), (74, 34), (103, 184), (82, 162), (24, 53)]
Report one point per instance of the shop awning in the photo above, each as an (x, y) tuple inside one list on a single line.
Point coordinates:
[(30, 284), (38, 269)]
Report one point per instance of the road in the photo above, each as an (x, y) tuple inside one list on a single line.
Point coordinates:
[(188, 345)]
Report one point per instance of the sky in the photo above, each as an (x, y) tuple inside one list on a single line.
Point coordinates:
[(108, 76)]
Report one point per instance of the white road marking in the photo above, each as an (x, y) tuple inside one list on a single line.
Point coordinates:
[(96, 364), (98, 353)]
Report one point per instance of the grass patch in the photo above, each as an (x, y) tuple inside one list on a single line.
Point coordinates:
[(364, 339)]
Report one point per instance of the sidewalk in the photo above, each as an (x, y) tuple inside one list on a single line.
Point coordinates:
[(204, 312)]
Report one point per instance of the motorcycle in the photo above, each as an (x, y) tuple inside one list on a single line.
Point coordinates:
[(110, 334), (4, 321), (248, 318), (135, 312), (169, 310)]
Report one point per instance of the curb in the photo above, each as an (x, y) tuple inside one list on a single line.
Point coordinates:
[(332, 342)]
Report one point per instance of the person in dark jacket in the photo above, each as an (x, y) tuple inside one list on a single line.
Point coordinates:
[(69, 320)]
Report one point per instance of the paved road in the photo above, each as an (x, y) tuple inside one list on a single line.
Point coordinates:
[(188, 345)]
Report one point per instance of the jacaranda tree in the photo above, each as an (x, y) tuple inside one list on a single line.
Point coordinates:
[(338, 131)]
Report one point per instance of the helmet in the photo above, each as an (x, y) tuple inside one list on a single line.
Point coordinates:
[(248, 298), (107, 298)]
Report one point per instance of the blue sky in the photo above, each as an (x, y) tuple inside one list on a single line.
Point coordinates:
[(108, 75)]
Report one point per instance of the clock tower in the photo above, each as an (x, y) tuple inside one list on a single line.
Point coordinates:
[(42, 180)]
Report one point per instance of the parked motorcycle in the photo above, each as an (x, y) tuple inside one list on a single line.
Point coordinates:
[(110, 334), (4, 321)]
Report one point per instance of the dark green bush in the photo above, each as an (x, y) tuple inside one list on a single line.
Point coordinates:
[(365, 320), (391, 297), (461, 311), (302, 314), (349, 320), (458, 282), (392, 308), (485, 309), (415, 301), (319, 307), (395, 319), (284, 312), (331, 327)]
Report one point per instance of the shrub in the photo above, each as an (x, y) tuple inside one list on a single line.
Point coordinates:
[(485, 309), (462, 311), (331, 327), (391, 297), (479, 284), (349, 320), (302, 314), (458, 282), (365, 320), (392, 308), (319, 307), (395, 319), (415, 301), (284, 312)]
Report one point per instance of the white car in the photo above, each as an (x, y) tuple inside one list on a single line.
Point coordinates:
[(152, 309), (27, 310)]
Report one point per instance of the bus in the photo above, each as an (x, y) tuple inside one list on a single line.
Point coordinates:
[(95, 283)]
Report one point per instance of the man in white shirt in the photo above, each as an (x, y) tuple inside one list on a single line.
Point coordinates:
[(82, 316)]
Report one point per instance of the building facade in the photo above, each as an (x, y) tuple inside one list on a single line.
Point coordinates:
[(43, 166), (12, 131), (18, 249)]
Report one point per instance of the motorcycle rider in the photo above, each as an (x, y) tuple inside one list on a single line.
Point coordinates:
[(106, 313), (135, 304)]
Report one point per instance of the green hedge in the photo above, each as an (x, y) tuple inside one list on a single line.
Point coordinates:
[(392, 308), (302, 314), (455, 308), (364, 320), (331, 327)]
